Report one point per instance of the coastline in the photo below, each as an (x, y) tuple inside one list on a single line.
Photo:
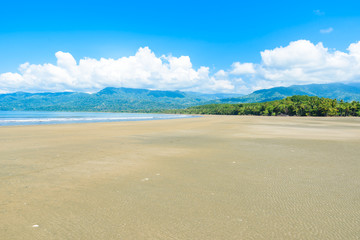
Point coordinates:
[(22, 118), (228, 177)]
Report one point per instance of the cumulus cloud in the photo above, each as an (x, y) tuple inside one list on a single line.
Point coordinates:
[(300, 62), (242, 68), (326, 30), (143, 70)]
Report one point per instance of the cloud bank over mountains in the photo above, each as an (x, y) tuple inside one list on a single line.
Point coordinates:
[(301, 62)]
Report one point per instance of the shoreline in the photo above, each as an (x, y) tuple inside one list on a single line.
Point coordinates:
[(50, 118), (192, 116)]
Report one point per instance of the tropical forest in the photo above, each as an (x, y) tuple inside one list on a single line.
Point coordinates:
[(291, 106)]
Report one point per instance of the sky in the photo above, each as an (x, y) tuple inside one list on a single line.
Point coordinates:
[(205, 46)]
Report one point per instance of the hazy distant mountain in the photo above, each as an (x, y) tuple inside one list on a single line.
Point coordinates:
[(108, 99), (132, 99), (347, 92)]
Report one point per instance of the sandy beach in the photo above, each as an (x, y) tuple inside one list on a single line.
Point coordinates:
[(215, 177)]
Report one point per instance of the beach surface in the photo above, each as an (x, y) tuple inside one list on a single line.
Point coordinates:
[(214, 177)]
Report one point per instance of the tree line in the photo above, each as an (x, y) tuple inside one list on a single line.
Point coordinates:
[(290, 106)]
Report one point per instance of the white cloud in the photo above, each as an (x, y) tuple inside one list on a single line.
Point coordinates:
[(221, 74), (143, 70), (300, 62), (242, 68), (326, 30), (300, 53)]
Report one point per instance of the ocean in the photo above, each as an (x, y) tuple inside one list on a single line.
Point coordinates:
[(9, 118)]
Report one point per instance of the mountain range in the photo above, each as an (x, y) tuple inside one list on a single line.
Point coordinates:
[(108, 99), (131, 99), (340, 91)]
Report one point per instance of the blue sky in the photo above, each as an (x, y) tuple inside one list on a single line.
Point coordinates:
[(214, 34)]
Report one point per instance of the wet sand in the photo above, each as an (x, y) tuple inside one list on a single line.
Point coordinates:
[(213, 177)]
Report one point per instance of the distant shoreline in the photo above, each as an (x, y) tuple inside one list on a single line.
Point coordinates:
[(10, 118)]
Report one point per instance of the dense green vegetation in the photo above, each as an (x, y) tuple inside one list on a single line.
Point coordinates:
[(291, 106)]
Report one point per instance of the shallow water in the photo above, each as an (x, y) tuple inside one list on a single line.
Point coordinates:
[(9, 118)]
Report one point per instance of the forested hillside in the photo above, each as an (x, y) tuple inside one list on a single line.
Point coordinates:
[(108, 99), (291, 106), (347, 92), (144, 100)]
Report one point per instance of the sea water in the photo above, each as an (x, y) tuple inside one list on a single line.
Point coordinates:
[(8, 118)]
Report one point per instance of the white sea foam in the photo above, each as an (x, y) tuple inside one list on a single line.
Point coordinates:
[(72, 119), (17, 118)]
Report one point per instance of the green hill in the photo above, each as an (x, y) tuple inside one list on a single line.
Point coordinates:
[(144, 100), (108, 99), (346, 92)]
